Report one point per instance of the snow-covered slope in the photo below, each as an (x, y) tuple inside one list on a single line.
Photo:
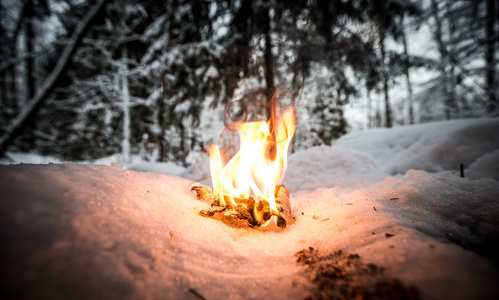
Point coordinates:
[(432, 147), (89, 231)]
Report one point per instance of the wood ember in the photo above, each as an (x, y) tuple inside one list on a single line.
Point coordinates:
[(248, 212), (340, 275)]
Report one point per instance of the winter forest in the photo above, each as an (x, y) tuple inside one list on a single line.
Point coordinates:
[(157, 80), (118, 119)]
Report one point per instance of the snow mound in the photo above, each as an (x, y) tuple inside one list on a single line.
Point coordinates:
[(432, 147), (449, 208), (487, 166), (324, 167)]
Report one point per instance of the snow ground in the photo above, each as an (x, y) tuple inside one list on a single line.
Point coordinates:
[(393, 196)]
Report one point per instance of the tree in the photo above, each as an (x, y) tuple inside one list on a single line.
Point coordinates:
[(328, 122), (17, 124), (145, 78), (491, 40), (7, 83), (189, 60), (384, 15), (464, 32)]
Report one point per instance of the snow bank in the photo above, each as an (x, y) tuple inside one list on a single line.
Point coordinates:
[(433, 147), (486, 166), (324, 167)]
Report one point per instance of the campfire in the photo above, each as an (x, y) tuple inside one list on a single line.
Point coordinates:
[(246, 186)]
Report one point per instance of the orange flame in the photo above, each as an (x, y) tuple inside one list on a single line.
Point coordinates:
[(259, 165)]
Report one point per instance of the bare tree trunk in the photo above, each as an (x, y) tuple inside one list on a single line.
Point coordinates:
[(378, 119), (5, 76), (447, 89), (342, 123), (161, 105), (125, 94), (271, 106), (452, 102), (17, 124), (490, 63), (369, 109), (29, 42), (388, 109), (182, 151), (298, 68), (159, 134), (407, 75), (269, 63), (29, 77)]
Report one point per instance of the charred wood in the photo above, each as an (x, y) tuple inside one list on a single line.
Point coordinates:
[(248, 212)]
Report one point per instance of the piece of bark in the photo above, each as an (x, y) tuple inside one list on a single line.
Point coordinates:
[(282, 198)]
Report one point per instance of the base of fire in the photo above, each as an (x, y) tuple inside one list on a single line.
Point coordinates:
[(248, 212)]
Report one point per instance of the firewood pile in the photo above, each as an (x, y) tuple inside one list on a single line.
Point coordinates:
[(248, 212)]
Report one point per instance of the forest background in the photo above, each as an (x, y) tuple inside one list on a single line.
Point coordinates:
[(158, 80)]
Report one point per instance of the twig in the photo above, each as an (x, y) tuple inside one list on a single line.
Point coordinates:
[(196, 294)]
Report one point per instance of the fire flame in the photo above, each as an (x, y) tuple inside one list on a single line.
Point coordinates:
[(259, 165)]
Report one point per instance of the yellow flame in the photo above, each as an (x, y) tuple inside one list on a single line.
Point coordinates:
[(259, 165)]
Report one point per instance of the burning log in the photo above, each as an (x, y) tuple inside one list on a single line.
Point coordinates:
[(247, 211)]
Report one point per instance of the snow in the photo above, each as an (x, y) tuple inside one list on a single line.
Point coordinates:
[(87, 230), (28, 158), (433, 147), (168, 168)]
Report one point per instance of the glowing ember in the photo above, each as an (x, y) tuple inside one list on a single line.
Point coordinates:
[(258, 167)]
